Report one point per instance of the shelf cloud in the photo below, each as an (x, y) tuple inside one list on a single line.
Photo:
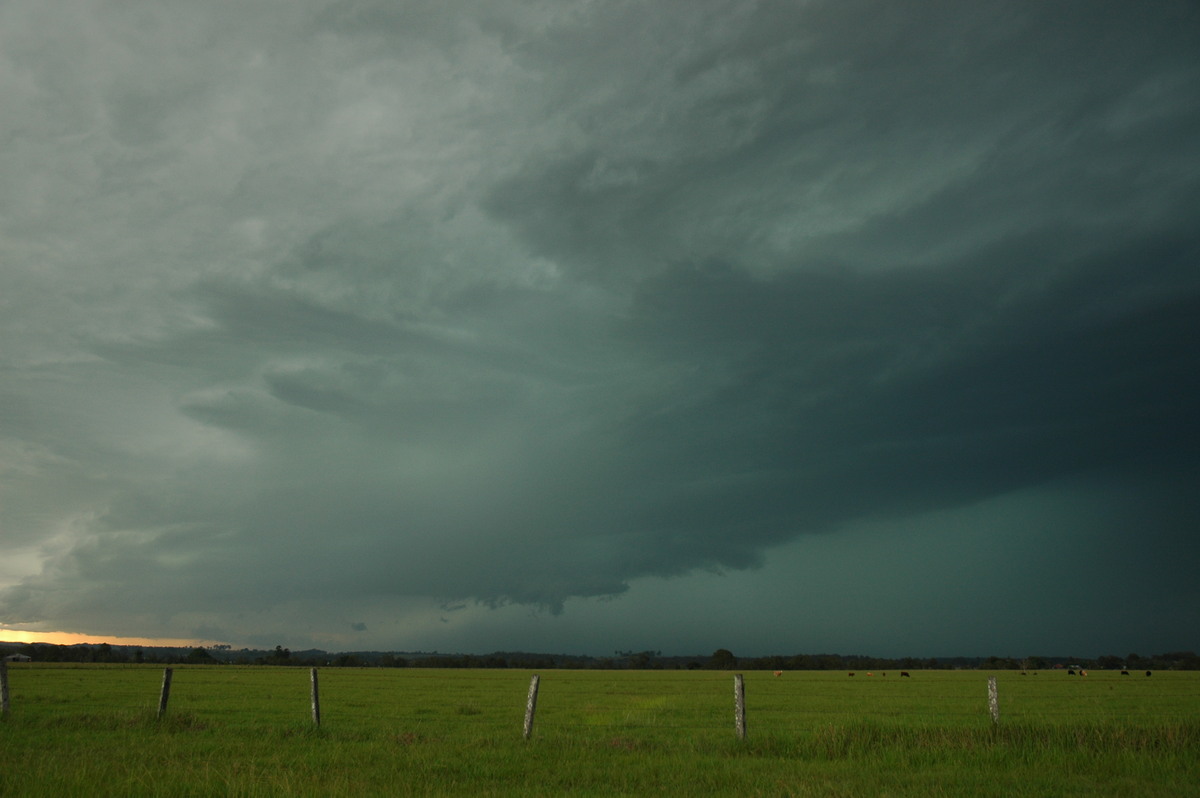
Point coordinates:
[(569, 326)]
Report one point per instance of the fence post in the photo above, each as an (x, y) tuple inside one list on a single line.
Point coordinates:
[(993, 699), (166, 692), (316, 700), (739, 705), (3, 688), (531, 705)]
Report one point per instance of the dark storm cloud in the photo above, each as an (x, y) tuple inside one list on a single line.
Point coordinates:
[(924, 390), (889, 139), (421, 307)]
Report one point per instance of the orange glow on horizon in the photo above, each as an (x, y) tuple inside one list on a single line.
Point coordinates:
[(71, 638)]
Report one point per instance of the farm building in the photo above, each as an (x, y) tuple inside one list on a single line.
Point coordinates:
[(18, 658)]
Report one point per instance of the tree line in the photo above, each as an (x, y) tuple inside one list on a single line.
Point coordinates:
[(721, 659)]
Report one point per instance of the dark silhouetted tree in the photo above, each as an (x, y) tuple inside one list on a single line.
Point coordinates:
[(199, 656), (280, 656), (722, 659)]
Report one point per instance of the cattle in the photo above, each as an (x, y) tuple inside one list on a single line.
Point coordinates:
[(851, 673), (1070, 673), (1124, 673), (778, 673), (1147, 673), (904, 673)]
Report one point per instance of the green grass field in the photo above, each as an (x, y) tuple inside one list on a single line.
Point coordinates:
[(94, 730)]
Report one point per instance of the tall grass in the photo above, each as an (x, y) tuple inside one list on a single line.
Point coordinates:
[(248, 731)]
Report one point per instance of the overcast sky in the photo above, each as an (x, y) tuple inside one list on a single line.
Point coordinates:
[(575, 326)]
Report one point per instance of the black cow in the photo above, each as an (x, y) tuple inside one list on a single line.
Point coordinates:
[(904, 673)]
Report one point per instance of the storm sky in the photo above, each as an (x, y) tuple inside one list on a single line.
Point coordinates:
[(575, 326)]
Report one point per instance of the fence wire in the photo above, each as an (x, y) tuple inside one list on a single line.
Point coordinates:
[(492, 702)]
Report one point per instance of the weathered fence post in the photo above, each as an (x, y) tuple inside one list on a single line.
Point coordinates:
[(739, 705), (3, 688), (316, 700), (531, 705), (166, 692), (993, 699)]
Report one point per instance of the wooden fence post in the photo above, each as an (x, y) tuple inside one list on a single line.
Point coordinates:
[(993, 699), (531, 705), (166, 692), (739, 705), (3, 688), (316, 700)]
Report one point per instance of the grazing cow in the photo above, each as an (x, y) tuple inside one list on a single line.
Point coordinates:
[(869, 673), (1147, 673), (851, 673), (904, 673), (778, 673), (1124, 673), (1070, 673)]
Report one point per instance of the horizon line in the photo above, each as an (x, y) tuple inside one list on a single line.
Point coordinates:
[(76, 638)]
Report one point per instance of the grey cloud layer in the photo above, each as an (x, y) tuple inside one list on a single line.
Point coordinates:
[(521, 302)]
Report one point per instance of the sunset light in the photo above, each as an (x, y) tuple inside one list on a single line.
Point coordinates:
[(74, 638)]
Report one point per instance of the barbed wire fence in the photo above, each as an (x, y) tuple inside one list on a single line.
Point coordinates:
[(562, 703)]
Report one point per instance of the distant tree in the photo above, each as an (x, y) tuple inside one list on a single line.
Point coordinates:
[(642, 659), (280, 656), (722, 659), (999, 663), (199, 656), (775, 662)]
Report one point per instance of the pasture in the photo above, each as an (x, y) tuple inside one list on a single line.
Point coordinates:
[(248, 731)]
